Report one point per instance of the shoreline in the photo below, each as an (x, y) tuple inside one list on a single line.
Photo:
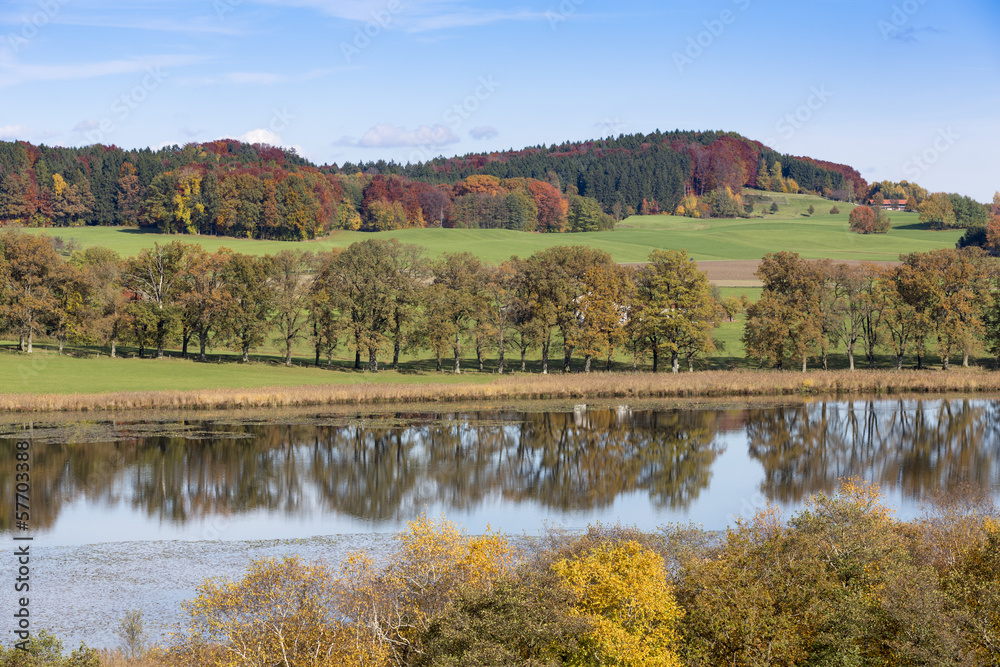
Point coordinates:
[(524, 387)]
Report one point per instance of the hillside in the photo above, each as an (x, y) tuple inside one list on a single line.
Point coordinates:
[(229, 188)]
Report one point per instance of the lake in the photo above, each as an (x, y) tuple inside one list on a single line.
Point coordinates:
[(134, 513)]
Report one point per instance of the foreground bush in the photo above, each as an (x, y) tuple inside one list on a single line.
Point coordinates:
[(842, 582)]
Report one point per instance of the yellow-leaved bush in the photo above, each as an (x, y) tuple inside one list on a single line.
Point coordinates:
[(623, 591), (280, 613)]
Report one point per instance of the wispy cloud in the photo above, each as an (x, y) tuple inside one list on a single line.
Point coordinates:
[(484, 132), (252, 78), (12, 73), (162, 24), (413, 16), (386, 135), (469, 19)]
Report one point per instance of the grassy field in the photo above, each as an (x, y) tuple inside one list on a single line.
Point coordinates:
[(819, 236), (47, 372)]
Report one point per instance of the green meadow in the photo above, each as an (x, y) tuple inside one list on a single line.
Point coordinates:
[(814, 237)]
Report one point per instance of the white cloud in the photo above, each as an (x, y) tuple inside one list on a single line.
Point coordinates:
[(262, 136), (386, 135), (13, 132)]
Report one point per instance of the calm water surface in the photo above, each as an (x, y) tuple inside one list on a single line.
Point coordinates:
[(134, 514)]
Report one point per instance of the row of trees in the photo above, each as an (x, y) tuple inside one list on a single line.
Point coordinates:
[(220, 189), (374, 296), (381, 298), (841, 582), (945, 299)]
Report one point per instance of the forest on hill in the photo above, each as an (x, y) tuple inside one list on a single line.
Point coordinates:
[(230, 188)]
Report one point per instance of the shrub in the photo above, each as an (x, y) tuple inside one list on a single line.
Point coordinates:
[(834, 211), (866, 220)]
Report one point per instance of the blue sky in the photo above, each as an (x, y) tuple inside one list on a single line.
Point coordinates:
[(899, 89)]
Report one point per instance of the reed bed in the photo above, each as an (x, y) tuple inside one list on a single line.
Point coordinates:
[(744, 383)]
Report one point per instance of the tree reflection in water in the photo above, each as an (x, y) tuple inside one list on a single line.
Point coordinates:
[(390, 467), (918, 447)]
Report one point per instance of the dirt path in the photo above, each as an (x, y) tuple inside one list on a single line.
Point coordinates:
[(740, 272)]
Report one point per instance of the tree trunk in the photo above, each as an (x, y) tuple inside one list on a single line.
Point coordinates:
[(62, 338), (357, 358), (965, 358), (202, 344), (805, 358), (395, 354), (372, 360), (944, 361), (31, 337), (586, 363), (458, 353), (609, 363), (567, 355), (920, 360), (656, 358), (524, 364), (675, 362), (288, 351), (246, 351), (479, 352), (690, 364), (500, 354), (545, 354), (850, 356), (114, 348), (161, 333), (185, 337), (899, 362), (319, 341)]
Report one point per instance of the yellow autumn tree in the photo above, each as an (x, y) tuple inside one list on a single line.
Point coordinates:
[(282, 612), (623, 591), (389, 610), (602, 311)]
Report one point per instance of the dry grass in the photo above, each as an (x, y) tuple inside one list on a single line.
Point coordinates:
[(115, 658), (529, 387)]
